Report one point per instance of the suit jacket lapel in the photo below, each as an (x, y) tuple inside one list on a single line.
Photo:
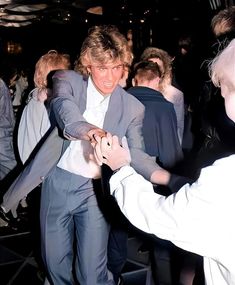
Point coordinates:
[(114, 112), (83, 96)]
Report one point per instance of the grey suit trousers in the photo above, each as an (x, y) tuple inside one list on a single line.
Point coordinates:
[(70, 211)]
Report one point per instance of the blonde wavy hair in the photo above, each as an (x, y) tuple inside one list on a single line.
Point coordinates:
[(50, 61), (103, 43)]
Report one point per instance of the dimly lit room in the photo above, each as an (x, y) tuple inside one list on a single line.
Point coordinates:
[(156, 125)]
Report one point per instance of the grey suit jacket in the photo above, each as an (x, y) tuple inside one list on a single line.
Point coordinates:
[(124, 117)]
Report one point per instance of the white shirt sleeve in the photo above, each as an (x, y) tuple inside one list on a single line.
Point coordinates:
[(188, 218)]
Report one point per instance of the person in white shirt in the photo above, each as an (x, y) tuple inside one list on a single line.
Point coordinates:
[(199, 217)]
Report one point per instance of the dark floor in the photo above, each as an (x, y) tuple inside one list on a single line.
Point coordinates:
[(18, 265)]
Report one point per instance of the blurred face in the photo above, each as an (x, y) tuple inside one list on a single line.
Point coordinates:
[(13, 80), (106, 76), (228, 92)]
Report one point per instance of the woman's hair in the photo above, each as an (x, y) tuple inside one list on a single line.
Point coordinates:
[(166, 69), (50, 61), (222, 67), (103, 44)]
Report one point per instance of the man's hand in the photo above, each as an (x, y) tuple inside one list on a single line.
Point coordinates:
[(97, 132), (109, 151)]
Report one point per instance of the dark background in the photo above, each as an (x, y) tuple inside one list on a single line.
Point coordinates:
[(64, 25)]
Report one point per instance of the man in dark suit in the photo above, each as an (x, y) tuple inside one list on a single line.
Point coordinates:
[(160, 123), (162, 142)]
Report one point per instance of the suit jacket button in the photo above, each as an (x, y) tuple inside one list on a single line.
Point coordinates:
[(42, 178)]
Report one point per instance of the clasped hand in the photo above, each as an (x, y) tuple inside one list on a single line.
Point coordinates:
[(109, 151)]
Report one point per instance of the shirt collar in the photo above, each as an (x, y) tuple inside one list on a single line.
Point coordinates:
[(94, 98)]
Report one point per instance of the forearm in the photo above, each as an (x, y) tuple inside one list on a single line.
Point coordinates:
[(78, 131), (135, 197), (168, 218)]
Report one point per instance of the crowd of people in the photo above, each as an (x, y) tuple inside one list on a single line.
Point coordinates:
[(135, 116)]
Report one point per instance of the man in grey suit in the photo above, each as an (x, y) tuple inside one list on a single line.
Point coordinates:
[(86, 105)]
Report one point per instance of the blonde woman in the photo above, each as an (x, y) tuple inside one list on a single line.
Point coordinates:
[(34, 122)]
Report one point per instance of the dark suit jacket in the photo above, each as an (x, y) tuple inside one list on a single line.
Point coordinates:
[(159, 126), (124, 117)]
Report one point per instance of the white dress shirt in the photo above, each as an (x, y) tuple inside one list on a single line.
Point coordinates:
[(199, 218), (78, 157)]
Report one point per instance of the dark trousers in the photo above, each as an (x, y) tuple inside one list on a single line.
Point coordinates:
[(117, 251)]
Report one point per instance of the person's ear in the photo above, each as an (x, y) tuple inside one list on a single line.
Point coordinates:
[(88, 69), (133, 82)]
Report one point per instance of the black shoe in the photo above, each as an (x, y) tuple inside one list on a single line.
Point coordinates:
[(8, 218), (4, 216), (120, 281)]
